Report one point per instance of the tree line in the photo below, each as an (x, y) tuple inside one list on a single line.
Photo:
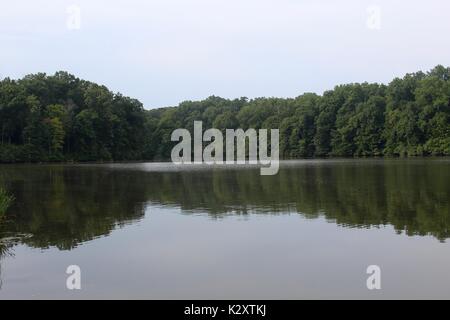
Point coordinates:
[(63, 118)]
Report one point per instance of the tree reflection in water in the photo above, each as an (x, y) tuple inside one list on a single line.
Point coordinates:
[(63, 206)]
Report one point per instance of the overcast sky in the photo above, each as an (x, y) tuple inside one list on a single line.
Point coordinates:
[(165, 51)]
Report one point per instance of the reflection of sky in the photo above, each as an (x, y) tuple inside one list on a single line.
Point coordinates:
[(173, 256), (166, 51)]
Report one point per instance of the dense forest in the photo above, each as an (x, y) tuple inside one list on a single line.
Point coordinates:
[(64, 118)]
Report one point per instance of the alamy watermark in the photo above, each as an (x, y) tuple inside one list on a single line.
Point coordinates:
[(73, 281), (235, 147), (373, 21), (373, 282), (73, 21)]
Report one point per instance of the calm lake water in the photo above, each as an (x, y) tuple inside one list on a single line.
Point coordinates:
[(163, 231)]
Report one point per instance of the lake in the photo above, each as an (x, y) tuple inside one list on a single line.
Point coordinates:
[(161, 231)]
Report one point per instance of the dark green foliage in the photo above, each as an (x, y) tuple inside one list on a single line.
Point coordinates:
[(5, 201), (61, 118)]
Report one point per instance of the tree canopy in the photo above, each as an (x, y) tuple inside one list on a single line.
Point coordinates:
[(63, 118)]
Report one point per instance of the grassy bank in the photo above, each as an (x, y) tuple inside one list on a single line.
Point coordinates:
[(5, 201)]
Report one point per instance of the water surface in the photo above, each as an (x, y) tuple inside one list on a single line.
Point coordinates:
[(156, 230)]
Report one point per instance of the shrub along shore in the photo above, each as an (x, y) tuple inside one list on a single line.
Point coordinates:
[(5, 201)]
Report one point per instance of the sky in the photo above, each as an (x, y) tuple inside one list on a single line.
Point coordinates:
[(163, 52)]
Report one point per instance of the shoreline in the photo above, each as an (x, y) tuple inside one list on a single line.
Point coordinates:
[(165, 161)]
